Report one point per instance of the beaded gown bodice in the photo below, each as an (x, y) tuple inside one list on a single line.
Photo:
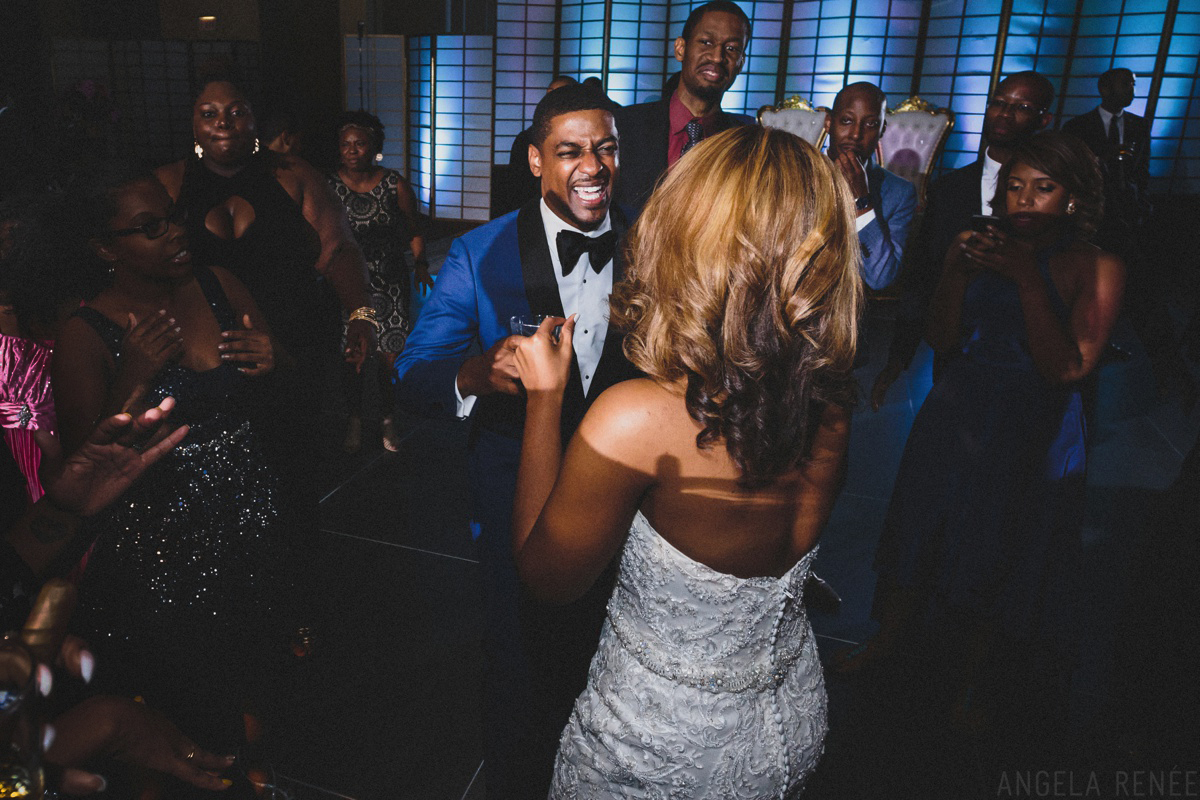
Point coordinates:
[(197, 536), (705, 685)]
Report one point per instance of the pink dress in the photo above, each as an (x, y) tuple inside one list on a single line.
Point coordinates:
[(26, 402)]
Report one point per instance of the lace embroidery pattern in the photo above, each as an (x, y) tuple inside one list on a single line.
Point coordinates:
[(704, 685)]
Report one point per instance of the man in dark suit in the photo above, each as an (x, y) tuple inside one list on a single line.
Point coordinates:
[(554, 256), (1017, 109), (711, 51), (884, 202), (1121, 142)]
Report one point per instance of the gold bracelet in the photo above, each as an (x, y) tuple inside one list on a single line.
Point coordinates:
[(368, 314)]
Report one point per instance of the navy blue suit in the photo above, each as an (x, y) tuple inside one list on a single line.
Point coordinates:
[(536, 657), (895, 201)]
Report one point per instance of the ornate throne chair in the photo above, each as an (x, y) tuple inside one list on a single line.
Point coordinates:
[(915, 135), (796, 115)]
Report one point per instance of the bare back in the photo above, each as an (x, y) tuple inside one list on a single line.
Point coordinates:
[(636, 448), (696, 504)]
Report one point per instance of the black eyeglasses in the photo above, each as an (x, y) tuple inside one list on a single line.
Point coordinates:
[(997, 104), (157, 226)]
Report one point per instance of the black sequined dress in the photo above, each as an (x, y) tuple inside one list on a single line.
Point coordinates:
[(181, 592)]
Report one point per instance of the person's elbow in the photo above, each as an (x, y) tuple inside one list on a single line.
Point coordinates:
[(547, 584), (881, 273)]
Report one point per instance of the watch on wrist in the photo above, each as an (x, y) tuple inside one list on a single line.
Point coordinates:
[(862, 203)]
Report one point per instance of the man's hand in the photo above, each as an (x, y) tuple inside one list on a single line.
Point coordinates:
[(422, 278), (492, 372), (360, 342), (853, 172), (883, 381)]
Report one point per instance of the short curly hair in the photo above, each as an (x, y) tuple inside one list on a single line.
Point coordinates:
[(1069, 161), (365, 120), (50, 263)]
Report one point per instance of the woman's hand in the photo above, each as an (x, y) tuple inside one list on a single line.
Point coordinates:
[(421, 278), (148, 345), (1006, 256), (116, 452), (360, 342), (127, 731), (957, 261), (543, 363), (249, 347)]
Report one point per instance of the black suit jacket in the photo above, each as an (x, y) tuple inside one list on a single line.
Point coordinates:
[(1090, 128), (953, 199), (644, 131)]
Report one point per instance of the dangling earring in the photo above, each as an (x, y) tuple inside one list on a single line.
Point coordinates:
[(255, 145), (199, 150), (1071, 207)]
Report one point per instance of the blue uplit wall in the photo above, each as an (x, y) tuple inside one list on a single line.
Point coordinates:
[(637, 62), (420, 119), (944, 50), (524, 62)]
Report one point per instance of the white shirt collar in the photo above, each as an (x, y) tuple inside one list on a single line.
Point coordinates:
[(987, 185), (554, 223)]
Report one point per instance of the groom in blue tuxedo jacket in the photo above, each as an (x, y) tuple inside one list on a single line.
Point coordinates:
[(554, 256)]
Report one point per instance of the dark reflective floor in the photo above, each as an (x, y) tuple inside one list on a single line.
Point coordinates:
[(388, 708)]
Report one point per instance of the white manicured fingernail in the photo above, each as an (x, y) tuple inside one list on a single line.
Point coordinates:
[(47, 737), (87, 664), (45, 680)]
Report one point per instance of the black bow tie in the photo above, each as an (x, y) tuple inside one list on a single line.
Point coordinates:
[(572, 245)]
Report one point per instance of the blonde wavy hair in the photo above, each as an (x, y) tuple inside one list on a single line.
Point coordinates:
[(743, 279)]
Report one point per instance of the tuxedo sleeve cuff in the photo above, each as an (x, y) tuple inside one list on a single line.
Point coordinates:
[(463, 405)]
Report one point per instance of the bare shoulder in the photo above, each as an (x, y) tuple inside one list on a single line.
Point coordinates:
[(631, 419), (77, 336), (171, 177), (1095, 267)]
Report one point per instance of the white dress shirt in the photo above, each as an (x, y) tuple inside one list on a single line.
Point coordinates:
[(987, 186), (584, 292), (1106, 117), (864, 220)]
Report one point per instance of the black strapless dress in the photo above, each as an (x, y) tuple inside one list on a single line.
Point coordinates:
[(182, 593)]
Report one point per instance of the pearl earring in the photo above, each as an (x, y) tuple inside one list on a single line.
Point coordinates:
[(199, 150), (255, 145), (1071, 207)]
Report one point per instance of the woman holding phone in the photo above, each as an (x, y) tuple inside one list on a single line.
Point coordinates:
[(984, 523)]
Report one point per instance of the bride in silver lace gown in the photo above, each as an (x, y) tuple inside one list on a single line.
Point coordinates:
[(712, 478)]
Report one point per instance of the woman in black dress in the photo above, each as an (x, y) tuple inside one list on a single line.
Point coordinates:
[(183, 589)]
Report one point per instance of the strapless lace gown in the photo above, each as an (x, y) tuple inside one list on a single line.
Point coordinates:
[(704, 685)]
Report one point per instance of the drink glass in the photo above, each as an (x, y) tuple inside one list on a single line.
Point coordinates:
[(528, 324), (20, 733)]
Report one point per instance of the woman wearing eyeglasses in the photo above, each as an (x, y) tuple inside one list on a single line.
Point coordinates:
[(180, 591)]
